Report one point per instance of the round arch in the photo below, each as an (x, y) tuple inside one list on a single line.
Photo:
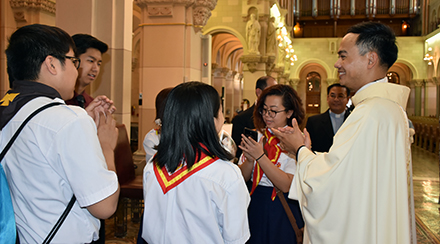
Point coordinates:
[(302, 65), (229, 30), (414, 72), (313, 98)]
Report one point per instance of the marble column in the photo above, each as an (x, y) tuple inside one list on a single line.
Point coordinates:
[(15, 14), (170, 50), (418, 96), (255, 66), (110, 22)]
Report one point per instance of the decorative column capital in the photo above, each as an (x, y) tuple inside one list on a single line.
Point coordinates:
[(145, 3), (252, 61), (45, 5), (202, 12), (435, 80), (294, 81), (418, 82)]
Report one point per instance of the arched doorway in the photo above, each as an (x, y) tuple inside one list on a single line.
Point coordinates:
[(313, 93), (393, 77)]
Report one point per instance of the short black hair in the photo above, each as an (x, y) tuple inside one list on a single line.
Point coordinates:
[(30, 45), (188, 126), (262, 82), (86, 41), (378, 38), (338, 85), (291, 101)]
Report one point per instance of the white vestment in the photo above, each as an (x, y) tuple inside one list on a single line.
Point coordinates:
[(361, 190)]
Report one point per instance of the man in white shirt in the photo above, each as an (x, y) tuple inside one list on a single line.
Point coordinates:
[(361, 190), (61, 152)]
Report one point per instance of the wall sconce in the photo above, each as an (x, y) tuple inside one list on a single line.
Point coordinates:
[(405, 25), (428, 57)]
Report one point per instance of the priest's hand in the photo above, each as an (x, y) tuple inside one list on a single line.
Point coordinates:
[(292, 138)]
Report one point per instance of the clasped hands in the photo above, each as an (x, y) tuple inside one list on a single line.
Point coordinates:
[(100, 105)]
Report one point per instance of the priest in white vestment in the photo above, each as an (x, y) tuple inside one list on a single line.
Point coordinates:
[(361, 190)]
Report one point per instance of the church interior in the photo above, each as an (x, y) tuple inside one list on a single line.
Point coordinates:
[(158, 44)]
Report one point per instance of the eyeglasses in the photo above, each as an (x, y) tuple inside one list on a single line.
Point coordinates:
[(271, 113), (333, 96), (76, 61)]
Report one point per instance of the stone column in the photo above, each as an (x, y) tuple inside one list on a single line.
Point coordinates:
[(418, 97), (294, 83), (254, 68), (170, 50), (111, 22), (15, 14), (437, 104)]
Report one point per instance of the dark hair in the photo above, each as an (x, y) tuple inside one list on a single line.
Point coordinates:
[(246, 101), (30, 45), (338, 85), (378, 38), (188, 126), (160, 102), (85, 41), (262, 82), (291, 101)]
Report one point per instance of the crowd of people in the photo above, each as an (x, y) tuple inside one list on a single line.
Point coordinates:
[(282, 189)]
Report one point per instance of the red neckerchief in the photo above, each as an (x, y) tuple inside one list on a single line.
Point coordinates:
[(168, 181), (273, 153)]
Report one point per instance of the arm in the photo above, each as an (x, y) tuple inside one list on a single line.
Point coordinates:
[(279, 178), (108, 135), (247, 166)]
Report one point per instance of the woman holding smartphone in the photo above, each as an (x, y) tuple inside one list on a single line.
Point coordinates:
[(270, 168)]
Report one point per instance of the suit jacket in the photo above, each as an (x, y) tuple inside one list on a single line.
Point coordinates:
[(321, 131), (239, 122)]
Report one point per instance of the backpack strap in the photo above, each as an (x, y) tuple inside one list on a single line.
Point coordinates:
[(60, 221), (8, 146)]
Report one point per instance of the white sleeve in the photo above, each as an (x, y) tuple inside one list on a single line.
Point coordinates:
[(233, 216), (80, 155)]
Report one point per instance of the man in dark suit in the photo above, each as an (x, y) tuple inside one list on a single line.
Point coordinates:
[(323, 127), (245, 118)]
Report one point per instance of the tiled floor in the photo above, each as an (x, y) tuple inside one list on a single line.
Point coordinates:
[(426, 196)]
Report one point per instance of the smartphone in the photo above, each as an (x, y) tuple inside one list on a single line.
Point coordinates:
[(251, 133)]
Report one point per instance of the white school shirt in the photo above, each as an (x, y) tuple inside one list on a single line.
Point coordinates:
[(57, 154), (150, 141), (210, 206)]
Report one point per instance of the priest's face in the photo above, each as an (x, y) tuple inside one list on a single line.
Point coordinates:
[(351, 65), (337, 99)]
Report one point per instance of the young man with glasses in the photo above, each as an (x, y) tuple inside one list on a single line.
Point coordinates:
[(61, 152), (323, 127), (90, 52)]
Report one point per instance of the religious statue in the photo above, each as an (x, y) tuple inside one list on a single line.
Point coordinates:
[(253, 32), (271, 39)]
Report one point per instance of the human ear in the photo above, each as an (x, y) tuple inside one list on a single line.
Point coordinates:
[(289, 113), (48, 63), (372, 59)]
